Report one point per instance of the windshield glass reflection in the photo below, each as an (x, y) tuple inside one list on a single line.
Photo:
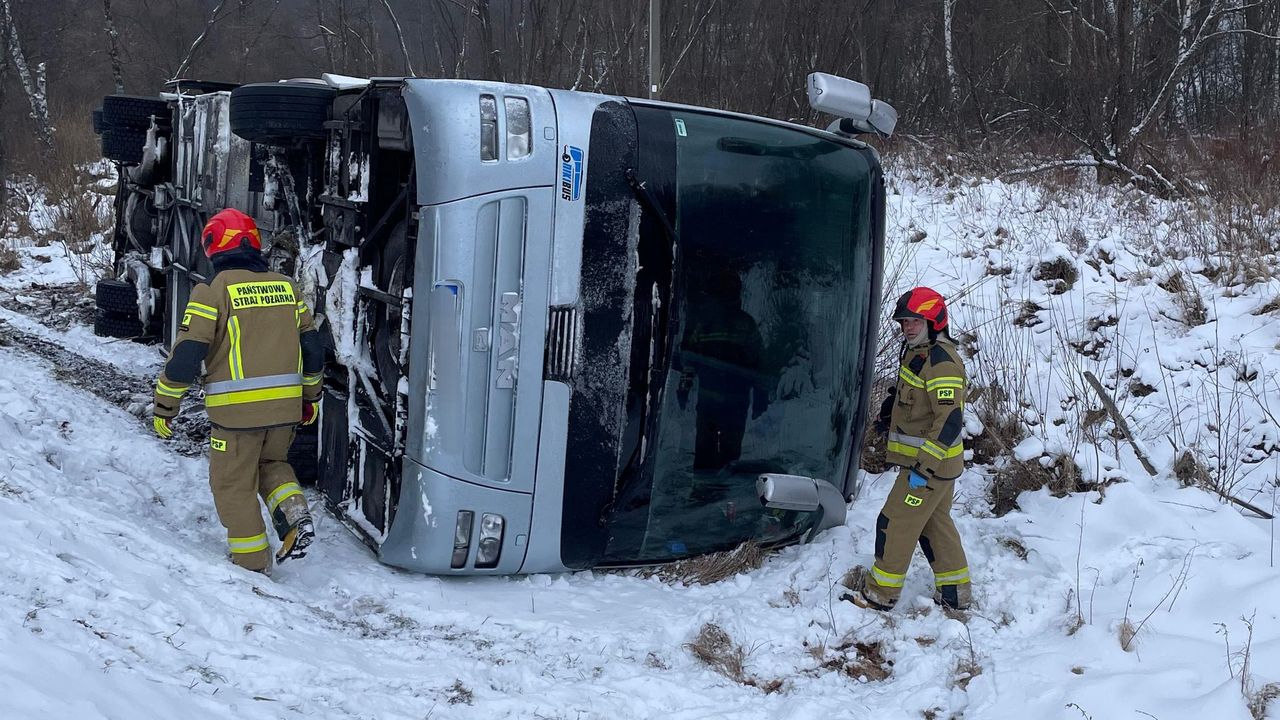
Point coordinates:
[(770, 312)]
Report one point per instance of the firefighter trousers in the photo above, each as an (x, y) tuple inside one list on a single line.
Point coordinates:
[(923, 516), (245, 465)]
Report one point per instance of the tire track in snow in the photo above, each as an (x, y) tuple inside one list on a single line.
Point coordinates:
[(131, 393)]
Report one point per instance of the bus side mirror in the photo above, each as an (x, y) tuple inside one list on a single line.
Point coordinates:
[(850, 101), (806, 494), (788, 492)]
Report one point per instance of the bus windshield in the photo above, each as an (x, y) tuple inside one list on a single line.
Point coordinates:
[(768, 322)]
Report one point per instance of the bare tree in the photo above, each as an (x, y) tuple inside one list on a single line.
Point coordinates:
[(404, 51), (214, 17), (33, 83), (113, 46)]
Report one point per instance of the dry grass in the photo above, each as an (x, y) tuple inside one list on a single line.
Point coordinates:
[(714, 648), (1261, 699), (1061, 477), (860, 660), (1059, 272), (1190, 471), (1128, 631), (1187, 298), (712, 568), (459, 694)]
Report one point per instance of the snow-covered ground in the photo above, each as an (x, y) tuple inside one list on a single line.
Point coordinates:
[(1150, 600)]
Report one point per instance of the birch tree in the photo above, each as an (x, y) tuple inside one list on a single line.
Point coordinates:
[(33, 81)]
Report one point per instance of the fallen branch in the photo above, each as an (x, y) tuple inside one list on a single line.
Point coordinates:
[(1119, 420)]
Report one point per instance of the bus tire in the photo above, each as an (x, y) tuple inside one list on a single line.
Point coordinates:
[(280, 112), (123, 145), (132, 112), (116, 297), (116, 325)]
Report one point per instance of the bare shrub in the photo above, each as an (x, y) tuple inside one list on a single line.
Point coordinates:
[(9, 260), (1190, 471), (1002, 424), (1187, 298), (712, 568), (459, 694), (874, 450)]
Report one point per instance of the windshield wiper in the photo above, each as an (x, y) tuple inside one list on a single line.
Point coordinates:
[(646, 198)]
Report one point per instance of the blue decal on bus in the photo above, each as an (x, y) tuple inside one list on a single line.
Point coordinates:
[(571, 173)]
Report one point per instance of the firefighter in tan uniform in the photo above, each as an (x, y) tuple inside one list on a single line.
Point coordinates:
[(262, 360), (923, 416)]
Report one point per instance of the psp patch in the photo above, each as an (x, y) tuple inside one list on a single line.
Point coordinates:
[(946, 396), (216, 444), (913, 501)]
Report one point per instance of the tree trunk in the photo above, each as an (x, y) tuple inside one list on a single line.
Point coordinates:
[(948, 13), (404, 51), (113, 47), (32, 82), (4, 154)]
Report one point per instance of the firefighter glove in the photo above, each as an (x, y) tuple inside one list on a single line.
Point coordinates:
[(162, 427), (310, 411), (881, 423), (915, 480)]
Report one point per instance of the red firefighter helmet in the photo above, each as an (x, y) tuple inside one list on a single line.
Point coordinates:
[(923, 303), (229, 230)]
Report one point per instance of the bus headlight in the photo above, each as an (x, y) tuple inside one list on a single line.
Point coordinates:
[(491, 527), (462, 538)]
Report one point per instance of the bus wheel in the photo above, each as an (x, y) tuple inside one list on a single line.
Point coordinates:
[(132, 112), (117, 325), (280, 112), (116, 297), (123, 145)]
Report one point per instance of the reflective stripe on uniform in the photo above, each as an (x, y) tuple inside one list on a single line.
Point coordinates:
[(281, 494), (887, 579), (945, 382), (955, 577), (910, 378), (902, 444), (251, 396), (899, 448), (911, 440), (942, 453), (312, 379), (266, 381), (244, 545), (202, 310), (169, 391), (233, 357)]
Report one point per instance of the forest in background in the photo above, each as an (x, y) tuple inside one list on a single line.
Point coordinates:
[(1160, 93)]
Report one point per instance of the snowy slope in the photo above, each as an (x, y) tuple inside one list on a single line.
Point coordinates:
[(118, 602)]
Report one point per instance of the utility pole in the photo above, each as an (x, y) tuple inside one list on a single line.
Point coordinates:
[(655, 48)]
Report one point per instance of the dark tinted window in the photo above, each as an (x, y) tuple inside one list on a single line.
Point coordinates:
[(770, 311)]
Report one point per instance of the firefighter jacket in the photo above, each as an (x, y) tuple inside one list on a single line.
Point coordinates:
[(928, 412), (261, 354)]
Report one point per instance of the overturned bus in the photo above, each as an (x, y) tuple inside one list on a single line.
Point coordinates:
[(564, 330)]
